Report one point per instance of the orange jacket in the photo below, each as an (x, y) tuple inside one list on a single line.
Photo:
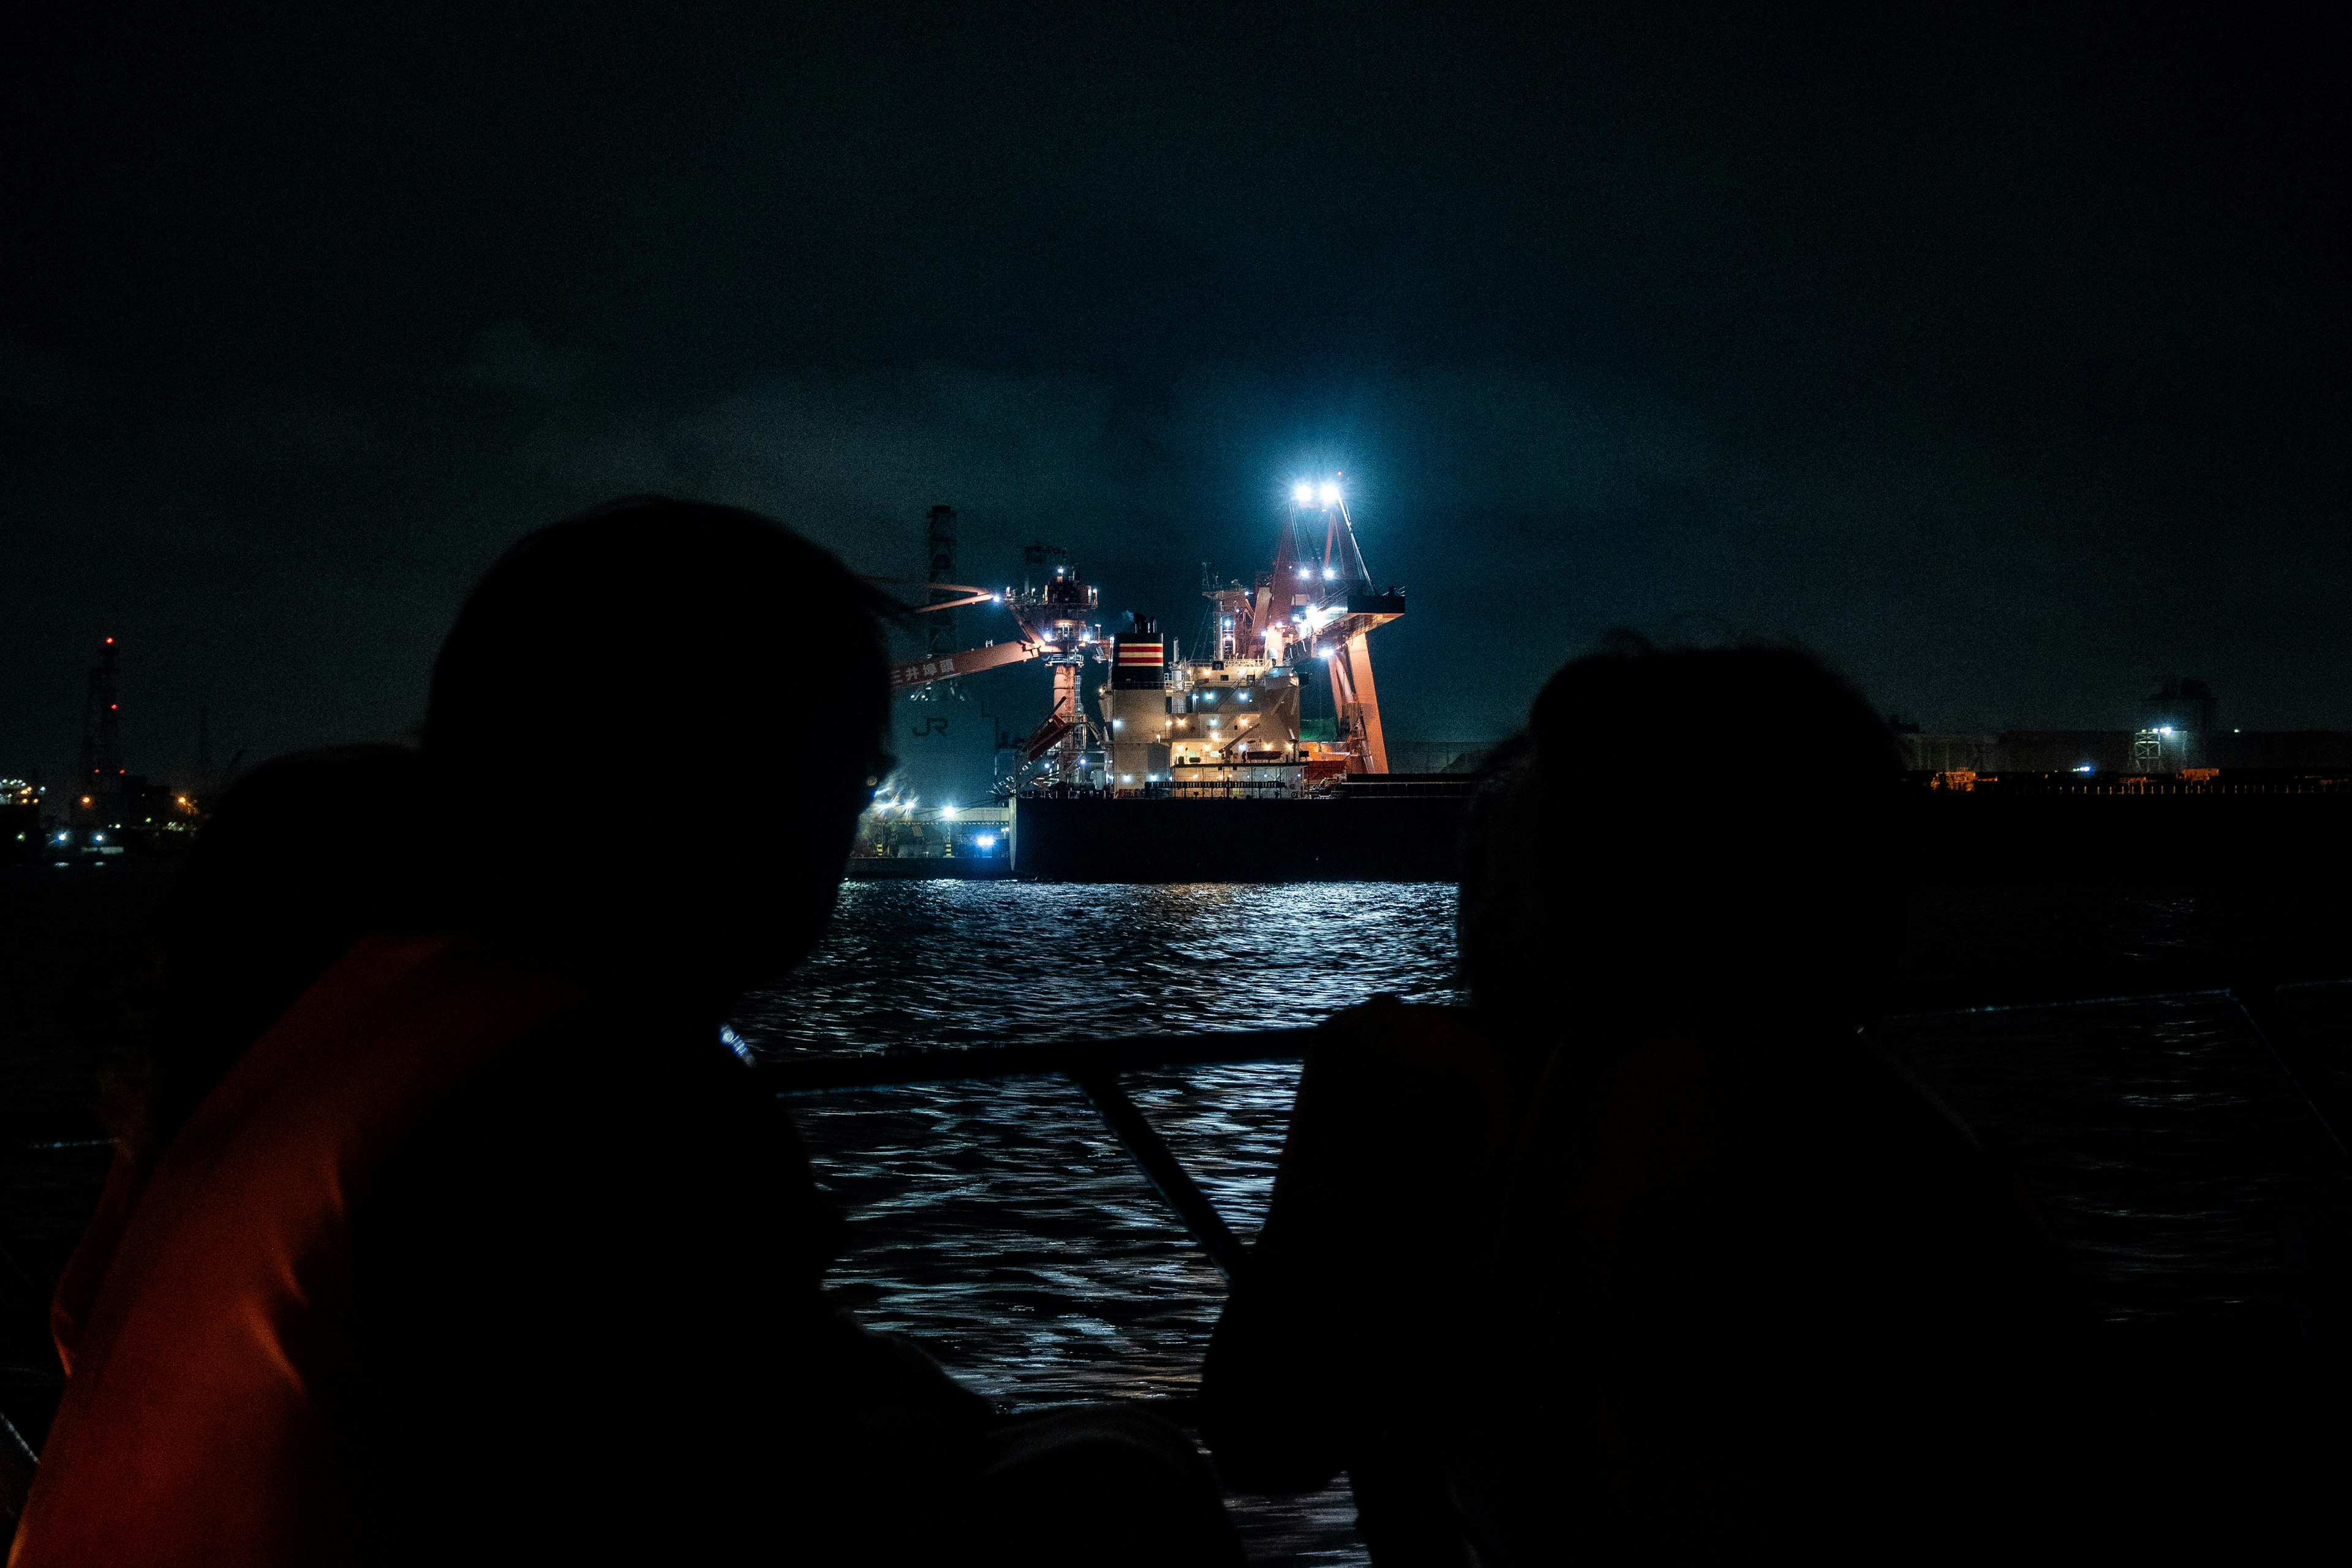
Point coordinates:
[(216, 1410)]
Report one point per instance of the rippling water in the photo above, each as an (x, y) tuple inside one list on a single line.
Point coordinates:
[(1002, 1223), (2173, 1156), (1001, 1220)]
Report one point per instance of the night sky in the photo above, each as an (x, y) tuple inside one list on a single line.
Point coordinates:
[(1998, 358)]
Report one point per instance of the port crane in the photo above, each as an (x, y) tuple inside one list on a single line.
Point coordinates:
[(1053, 625)]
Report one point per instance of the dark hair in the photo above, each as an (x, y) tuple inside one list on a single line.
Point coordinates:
[(1685, 831), (636, 700), (299, 859)]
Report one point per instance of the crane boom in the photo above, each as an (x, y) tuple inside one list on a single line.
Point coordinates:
[(968, 661), (972, 595)]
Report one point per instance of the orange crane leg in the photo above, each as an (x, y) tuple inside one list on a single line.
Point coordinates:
[(1368, 700)]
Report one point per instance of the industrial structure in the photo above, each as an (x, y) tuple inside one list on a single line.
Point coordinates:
[(1225, 765), (109, 801), (100, 775), (1228, 721), (1055, 625)]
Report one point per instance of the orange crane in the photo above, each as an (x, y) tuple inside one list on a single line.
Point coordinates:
[(1317, 601)]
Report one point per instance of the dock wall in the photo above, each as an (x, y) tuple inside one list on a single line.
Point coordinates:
[(2275, 838), (2268, 836)]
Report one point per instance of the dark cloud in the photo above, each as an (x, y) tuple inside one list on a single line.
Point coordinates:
[(510, 355), (1941, 344)]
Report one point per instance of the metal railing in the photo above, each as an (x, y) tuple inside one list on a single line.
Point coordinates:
[(1097, 1065)]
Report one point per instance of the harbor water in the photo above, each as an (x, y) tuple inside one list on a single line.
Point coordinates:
[(1003, 1224)]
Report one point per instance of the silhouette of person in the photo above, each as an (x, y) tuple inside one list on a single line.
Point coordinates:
[(1653, 1257), (489, 1250), (300, 858)]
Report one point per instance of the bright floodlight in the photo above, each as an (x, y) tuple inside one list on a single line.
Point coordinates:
[(1302, 492), (1330, 492)]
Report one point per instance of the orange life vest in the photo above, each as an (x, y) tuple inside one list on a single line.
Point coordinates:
[(215, 1405)]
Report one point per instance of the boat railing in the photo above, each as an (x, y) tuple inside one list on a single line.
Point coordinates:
[(1098, 1066)]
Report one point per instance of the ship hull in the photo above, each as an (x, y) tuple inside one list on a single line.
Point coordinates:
[(1407, 839)]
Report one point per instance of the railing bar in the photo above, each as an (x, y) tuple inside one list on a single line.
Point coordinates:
[(2126, 983), (2042, 1003), (1140, 1053), (18, 1465), (2309, 1075), (1164, 1171), (1134, 1053)]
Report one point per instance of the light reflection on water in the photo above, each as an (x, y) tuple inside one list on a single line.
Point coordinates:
[(978, 963), (1000, 1221)]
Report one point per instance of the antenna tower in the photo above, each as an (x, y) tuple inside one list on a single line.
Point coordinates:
[(102, 751)]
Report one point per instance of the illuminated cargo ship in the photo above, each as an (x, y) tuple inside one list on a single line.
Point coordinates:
[(1230, 721), (1207, 767)]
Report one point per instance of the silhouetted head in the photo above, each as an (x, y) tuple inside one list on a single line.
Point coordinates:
[(1686, 833), (650, 735), (300, 858)]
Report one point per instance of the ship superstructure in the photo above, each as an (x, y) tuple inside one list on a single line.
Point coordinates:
[(1185, 726)]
